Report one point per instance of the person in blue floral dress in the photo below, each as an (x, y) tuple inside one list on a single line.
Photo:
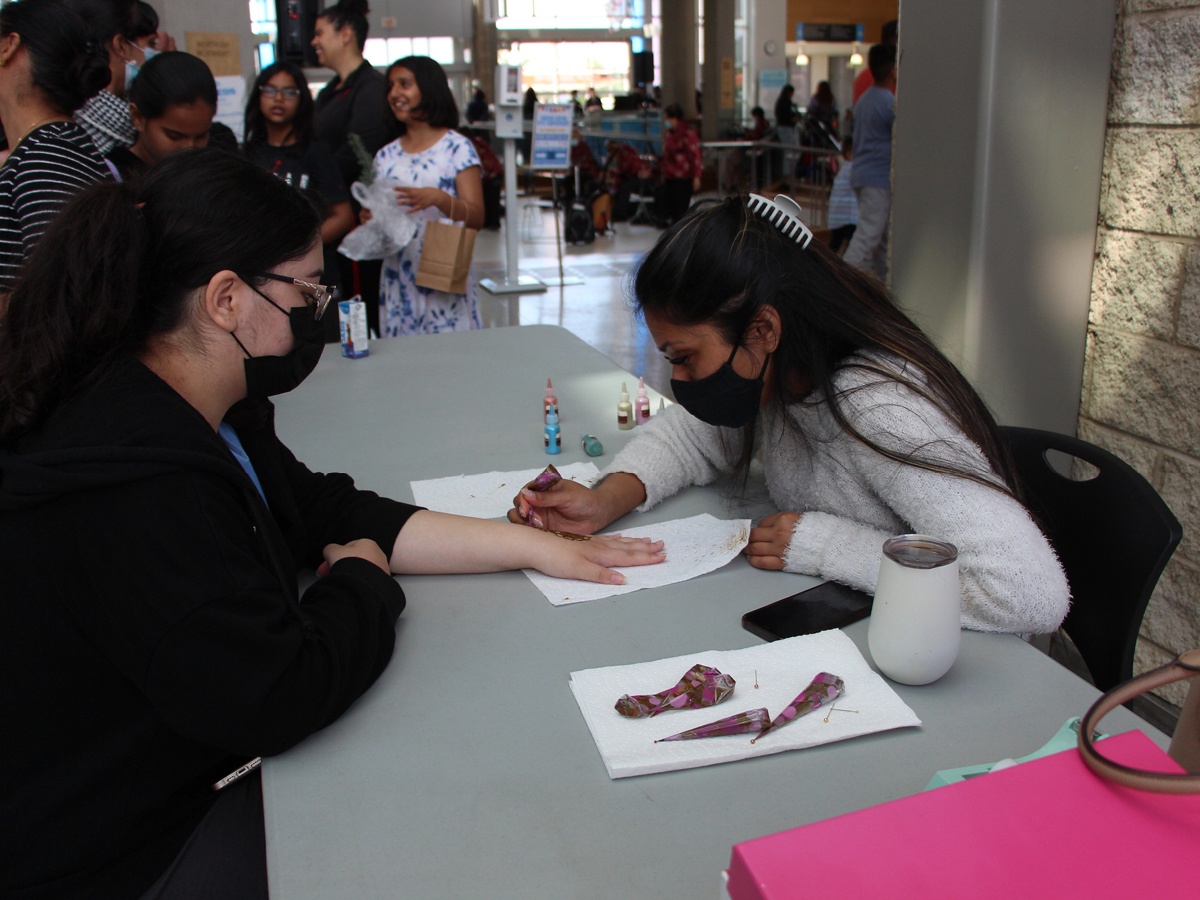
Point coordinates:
[(441, 177)]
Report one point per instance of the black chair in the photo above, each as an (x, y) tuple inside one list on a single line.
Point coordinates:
[(1114, 535)]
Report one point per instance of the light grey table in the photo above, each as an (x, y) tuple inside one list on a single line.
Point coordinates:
[(467, 771)]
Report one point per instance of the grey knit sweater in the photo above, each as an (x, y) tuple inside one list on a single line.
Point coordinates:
[(853, 498)]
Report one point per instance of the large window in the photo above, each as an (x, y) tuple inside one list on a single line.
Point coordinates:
[(554, 70), (262, 21), (523, 15), (385, 51)]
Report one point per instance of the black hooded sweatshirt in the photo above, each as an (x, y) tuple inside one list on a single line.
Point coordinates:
[(151, 634)]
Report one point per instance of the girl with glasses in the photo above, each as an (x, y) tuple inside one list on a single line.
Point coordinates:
[(152, 635), (279, 137)]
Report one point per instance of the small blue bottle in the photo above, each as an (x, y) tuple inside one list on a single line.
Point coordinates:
[(553, 434)]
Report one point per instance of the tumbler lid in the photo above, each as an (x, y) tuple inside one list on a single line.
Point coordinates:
[(919, 551)]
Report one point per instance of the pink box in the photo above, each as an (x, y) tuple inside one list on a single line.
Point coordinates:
[(1046, 828)]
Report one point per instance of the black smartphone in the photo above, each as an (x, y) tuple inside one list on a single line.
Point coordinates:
[(828, 605)]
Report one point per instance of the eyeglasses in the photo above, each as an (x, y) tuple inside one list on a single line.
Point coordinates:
[(272, 92), (317, 295)]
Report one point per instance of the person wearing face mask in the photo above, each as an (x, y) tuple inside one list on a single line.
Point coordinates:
[(682, 166), (152, 635), (106, 117), (146, 33), (865, 430)]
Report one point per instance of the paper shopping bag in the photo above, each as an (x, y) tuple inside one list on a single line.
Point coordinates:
[(446, 258)]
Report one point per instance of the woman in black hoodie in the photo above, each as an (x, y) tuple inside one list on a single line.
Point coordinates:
[(152, 638)]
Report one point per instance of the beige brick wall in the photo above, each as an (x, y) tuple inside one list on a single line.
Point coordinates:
[(1141, 393)]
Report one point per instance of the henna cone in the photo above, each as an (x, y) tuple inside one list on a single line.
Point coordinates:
[(700, 686), (742, 723), (825, 688)]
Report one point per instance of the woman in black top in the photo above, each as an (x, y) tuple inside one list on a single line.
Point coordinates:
[(152, 637), (785, 107), (355, 102), (48, 69), (279, 137)]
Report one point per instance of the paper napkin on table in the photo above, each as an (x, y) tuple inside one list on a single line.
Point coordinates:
[(784, 669), (489, 495), (694, 546)]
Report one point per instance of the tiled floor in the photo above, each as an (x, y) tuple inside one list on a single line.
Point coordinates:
[(596, 310)]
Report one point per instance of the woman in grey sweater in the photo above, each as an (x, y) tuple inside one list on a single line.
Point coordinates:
[(865, 430)]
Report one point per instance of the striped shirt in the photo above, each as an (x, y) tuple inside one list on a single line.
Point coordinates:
[(44, 170)]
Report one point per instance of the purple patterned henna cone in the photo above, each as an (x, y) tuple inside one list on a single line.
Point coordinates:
[(699, 687), (742, 723), (546, 479), (825, 688)]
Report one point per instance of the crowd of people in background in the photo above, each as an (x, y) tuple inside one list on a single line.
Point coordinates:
[(156, 292), (115, 96)]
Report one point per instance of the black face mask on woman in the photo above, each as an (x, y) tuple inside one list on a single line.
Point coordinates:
[(268, 376), (723, 398)]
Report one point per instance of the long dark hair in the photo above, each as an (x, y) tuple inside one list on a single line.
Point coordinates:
[(145, 22), (302, 124), (106, 18), (120, 264), (349, 12), (69, 64), (437, 106), (721, 263), (173, 78)]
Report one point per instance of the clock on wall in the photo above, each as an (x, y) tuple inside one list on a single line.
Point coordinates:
[(769, 48)]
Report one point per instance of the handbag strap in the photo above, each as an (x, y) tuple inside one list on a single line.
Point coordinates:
[(1186, 665)]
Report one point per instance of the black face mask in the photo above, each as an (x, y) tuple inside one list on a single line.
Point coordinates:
[(267, 376), (723, 398)]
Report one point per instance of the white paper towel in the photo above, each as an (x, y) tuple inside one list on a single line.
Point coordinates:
[(694, 546), (784, 669), (490, 494)]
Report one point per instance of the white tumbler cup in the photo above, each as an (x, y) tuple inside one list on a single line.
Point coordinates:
[(915, 624)]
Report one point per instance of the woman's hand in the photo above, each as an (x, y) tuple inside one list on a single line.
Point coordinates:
[(363, 548), (567, 506), (565, 555), (416, 199), (769, 541)]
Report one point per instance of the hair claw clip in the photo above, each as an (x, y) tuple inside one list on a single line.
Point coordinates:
[(784, 213)]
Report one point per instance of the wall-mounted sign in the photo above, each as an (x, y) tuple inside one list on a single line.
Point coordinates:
[(726, 82), (772, 79), (218, 49), (823, 31)]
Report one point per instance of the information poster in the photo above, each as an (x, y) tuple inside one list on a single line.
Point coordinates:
[(231, 103), (552, 136), (726, 82), (217, 48)]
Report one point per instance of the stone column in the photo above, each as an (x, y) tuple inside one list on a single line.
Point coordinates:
[(1142, 382), (677, 41), (718, 68)]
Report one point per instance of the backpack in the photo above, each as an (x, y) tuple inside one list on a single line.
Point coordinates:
[(579, 226)]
